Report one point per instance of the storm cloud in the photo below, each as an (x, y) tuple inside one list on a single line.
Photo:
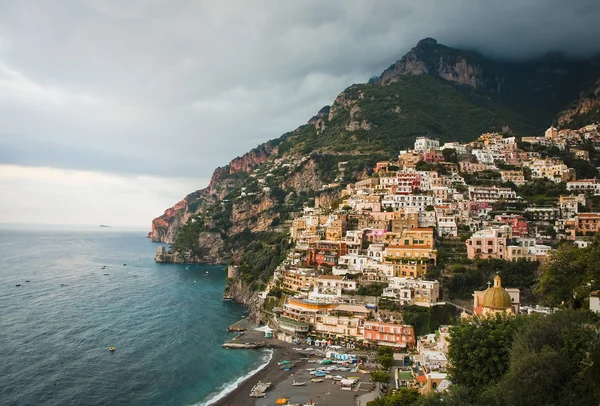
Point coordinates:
[(176, 88)]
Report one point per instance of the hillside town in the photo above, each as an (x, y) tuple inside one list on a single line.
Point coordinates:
[(358, 265)]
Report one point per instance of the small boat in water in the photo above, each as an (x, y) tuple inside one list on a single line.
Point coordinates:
[(105, 274), (112, 349), (18, 284), (27, 281)]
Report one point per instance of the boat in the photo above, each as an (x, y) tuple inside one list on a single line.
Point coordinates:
[(27, 281), (124, 264), (18, 284), (338, 378), (297, 383), (258, 391), (105, 274), (317, 380), (111, 349)]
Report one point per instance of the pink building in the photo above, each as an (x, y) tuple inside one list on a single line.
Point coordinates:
[(518, 224), (432, 156), (488, 243)]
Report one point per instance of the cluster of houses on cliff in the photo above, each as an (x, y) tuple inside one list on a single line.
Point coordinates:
[(385, 228)]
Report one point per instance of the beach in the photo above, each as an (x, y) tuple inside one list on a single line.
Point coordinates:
[(323, 393)]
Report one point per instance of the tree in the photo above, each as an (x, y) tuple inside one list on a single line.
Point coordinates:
[(386, 361), (563, 277), (568, 343), (381, 377), (402, 397), (479, 349)]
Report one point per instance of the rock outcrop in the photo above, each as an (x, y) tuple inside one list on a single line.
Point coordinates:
[(429, 57), (165, 227), (588, 104)]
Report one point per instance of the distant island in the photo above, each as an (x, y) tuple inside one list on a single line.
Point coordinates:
[(103, 226)]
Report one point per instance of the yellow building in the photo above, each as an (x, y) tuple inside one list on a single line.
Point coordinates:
[(496, 299)]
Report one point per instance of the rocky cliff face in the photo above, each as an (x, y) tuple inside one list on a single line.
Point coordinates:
[(240, 292), (587, 105), (253, 215), (165, 227), (429, 57)]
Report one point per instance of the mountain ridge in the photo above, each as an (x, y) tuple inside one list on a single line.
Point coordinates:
[(433, 90)]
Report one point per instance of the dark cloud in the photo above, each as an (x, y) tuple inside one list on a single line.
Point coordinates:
[(177, 88)]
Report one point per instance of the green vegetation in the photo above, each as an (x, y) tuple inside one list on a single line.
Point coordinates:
[(570, 274), (372, 289), (261, 254), (426, 320), (187, 238)]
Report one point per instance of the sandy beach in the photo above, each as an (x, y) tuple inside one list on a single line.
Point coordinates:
[(324, 393)]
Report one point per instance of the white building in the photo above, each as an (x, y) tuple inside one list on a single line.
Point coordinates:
[(408, 291), (446, 226), (489, 194), (399, 202), (423, 144)]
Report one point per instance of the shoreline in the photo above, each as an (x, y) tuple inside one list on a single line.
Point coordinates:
[(240, 395)]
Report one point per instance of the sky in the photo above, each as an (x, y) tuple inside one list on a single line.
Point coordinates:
[(112, 111)]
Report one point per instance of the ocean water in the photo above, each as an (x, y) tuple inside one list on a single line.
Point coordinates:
[(166, 322)]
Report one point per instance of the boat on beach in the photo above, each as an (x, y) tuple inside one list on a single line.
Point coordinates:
[(258, 391), (296, 383), (317, 380)]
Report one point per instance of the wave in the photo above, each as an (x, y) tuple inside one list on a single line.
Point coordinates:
[(227, 389)]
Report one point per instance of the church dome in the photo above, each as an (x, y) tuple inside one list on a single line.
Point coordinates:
[(497, 298)]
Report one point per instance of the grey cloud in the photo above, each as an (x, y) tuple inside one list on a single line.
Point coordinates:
[(177, 88)]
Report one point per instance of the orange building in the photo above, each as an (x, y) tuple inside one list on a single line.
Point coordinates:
[(395, 335), (587, 223)]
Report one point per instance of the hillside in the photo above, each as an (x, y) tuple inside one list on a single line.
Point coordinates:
[(433, 90)]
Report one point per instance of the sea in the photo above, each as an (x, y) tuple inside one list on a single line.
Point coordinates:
[(166, 322)]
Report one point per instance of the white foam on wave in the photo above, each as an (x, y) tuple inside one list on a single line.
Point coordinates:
[(228, 388)]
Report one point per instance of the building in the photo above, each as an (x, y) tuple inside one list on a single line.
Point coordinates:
[(409, 291), (395, 335), (423, 144), (496, 299), (404, 220), (584, 185), (305, 311), (489, 243), (569, 206), (595, 301), (470, 167), (299, 280), (587, 223), (490, 194), (527, 249), (400, 202), (516, 177), (518, 224), (551, 169), (343, 321), (446, 226)]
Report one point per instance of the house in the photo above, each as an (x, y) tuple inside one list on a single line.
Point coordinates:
[(423, 144), (595, 301), (490, 243), (490, 194), (587, 223), (411, 201), (516, 177), (394, 335), (342, 321), (409, 291), (584, 185), (518, 224)]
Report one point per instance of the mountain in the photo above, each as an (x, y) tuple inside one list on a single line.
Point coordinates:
[(433, 90)]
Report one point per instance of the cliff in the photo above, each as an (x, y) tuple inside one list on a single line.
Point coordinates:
[(432, 90), (584, 111)]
